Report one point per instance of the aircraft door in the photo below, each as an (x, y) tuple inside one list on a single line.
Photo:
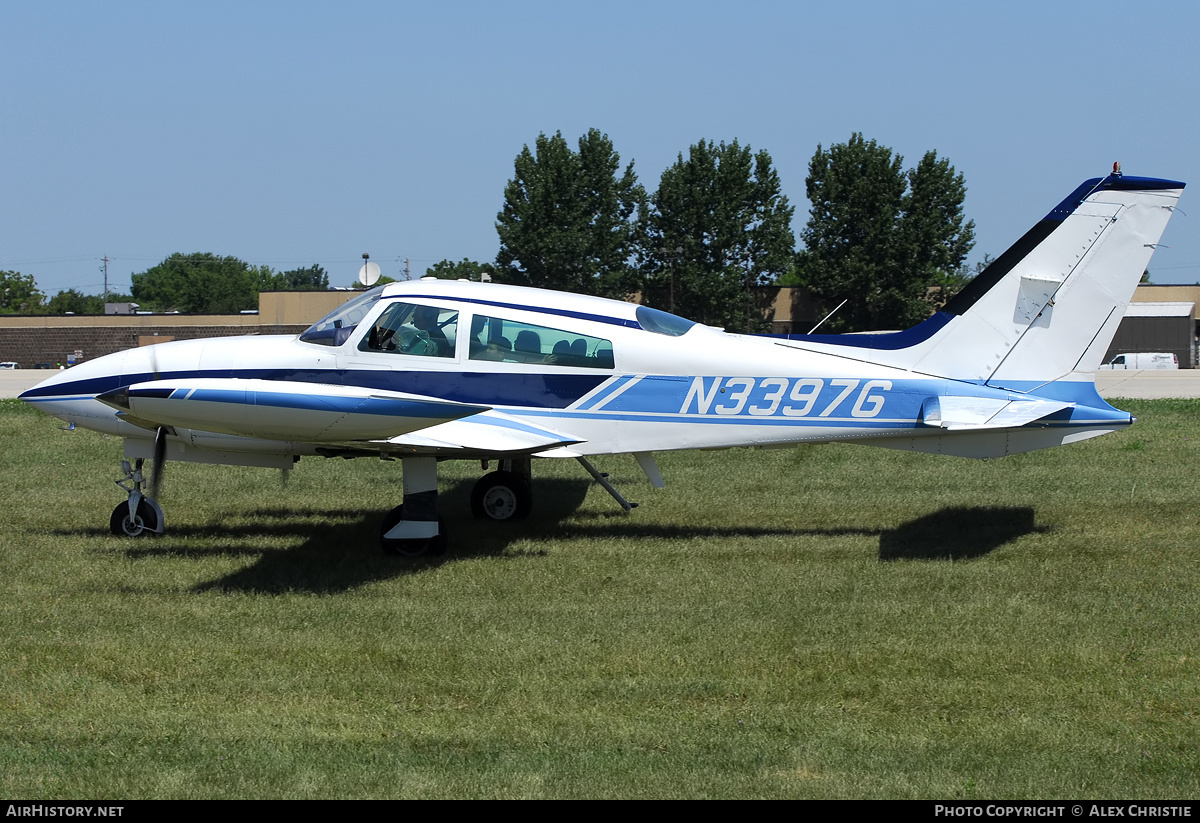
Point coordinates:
[(404, 336)]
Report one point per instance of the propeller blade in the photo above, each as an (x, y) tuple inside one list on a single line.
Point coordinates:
[(160, 460)]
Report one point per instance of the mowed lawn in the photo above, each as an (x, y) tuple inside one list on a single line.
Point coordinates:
[(825, 621)]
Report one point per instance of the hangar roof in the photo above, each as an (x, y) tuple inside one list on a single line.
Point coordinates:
[(1160, 310)]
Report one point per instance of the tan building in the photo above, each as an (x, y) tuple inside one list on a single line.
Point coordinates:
[(51, 340), (54, 339)]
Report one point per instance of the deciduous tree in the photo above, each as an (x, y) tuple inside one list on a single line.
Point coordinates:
[(312, 278), (200, 283), (71, 301), (719, 225), (465, 269), (569, 221), (19, 294), (880, 237)]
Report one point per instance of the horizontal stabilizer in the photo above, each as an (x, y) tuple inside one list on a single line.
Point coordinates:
[(958, 413)]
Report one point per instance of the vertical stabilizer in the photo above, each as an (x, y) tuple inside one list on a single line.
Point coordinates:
[(1046, 308), (1051, 304)]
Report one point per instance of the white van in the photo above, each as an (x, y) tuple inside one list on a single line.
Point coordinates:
[(8, 364), (1143, 360)]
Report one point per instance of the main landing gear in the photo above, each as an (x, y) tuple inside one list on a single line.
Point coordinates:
[(506, 494), (139, 515), (413, 529)]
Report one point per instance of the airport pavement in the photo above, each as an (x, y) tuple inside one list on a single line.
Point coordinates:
[(12, 383), (1143, 384), (1146, 384)]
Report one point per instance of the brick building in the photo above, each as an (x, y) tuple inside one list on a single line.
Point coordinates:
[(54, 339)]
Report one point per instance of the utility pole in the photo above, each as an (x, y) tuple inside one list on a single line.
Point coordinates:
[(407, 273), (105, 269)]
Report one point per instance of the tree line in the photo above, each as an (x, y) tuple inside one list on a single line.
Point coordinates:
[(890, 241), (200, 283)]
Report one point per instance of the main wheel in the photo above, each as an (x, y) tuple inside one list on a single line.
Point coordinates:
[(146, 520), (501, 496), (423, 547)]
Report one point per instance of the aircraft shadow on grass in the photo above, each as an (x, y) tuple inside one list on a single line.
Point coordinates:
[(339, 552), (957, 533)]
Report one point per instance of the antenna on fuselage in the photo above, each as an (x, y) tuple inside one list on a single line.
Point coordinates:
[(826, 317)]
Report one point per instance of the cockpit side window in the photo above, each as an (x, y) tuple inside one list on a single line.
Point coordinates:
[(511, 341), (335, 328), (409, 328)]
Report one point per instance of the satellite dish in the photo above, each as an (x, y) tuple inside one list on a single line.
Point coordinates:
[(368, 274)]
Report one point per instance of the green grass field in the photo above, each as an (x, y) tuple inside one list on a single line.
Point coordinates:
[(820, 622)]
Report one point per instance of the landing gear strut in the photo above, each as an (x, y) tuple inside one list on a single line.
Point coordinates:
[(413, 529), (139, 515)]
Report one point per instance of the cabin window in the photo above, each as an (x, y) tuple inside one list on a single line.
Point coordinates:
[(511, 341), (408, 328), (335, 328)]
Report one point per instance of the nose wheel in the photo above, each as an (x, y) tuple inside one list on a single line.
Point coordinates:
[(146, 518)]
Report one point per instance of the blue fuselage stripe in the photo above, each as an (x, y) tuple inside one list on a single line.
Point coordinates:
[(743, 400), (550, 391)]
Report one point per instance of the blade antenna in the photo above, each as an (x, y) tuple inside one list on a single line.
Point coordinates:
[(826, 317)]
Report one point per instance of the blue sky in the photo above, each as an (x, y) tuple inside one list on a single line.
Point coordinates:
[(288, 134)]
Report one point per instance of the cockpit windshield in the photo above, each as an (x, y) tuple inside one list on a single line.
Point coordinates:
[(661, 322), (336, 327)]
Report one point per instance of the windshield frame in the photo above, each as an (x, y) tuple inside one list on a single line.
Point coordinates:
[(336, 328)]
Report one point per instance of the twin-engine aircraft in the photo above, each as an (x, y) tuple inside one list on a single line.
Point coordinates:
[(433, 370)]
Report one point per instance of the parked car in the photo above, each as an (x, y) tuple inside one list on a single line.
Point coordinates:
[(8, 364), (1143, 360)]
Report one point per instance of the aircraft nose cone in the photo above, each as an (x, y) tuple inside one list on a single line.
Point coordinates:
[(117, 398)]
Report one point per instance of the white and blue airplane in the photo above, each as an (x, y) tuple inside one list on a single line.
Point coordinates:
[(433, 370)]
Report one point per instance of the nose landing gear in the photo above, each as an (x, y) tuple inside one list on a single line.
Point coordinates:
[(139, 515)]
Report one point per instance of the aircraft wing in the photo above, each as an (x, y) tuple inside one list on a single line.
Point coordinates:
[(486, 434), (959, 413)]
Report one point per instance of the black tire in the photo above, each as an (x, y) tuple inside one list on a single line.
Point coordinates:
[(426, 547), (144, 522), (501, 496)]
